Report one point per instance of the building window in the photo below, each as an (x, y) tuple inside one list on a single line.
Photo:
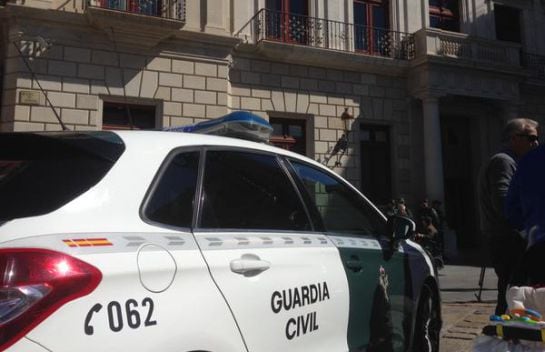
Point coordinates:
[(287, 21), (371, 26), (144, 7), (120, 116), (289, 134), (507, 23), (297, 7), (375, 161), (445, 14)]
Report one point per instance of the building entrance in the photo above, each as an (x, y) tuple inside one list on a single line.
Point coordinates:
[(460, 198), (376, 181)]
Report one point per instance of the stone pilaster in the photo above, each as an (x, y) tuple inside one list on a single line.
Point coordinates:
[(433, 157)]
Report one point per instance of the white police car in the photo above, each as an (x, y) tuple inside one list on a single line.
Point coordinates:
[(163, 241)]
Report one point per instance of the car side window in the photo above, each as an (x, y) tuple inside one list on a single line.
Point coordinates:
[(171, 201), (342, 210), (246, 190)]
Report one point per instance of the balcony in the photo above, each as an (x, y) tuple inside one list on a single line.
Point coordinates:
[(287, 28), (168, 9), (463, 49), (142, 23)]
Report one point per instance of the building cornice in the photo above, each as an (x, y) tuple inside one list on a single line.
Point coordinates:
[(451, 63), (320, 57)]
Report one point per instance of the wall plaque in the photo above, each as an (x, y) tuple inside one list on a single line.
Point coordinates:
[(30, 97)]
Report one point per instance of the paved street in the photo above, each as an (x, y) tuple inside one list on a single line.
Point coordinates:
[(463, 315), (462, 322)]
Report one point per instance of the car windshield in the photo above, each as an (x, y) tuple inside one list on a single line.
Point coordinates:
[(40, 172)]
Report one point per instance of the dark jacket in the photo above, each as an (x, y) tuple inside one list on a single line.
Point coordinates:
[(525, 205), (494, 180)]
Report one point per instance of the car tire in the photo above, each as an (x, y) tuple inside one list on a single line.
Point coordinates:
[(428, 324)]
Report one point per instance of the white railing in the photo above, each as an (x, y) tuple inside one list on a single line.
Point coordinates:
[(535, 65), (462, 46)]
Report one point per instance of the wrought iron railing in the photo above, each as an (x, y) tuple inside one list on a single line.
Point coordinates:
[(268, 25), (171, 9), (535, 64)]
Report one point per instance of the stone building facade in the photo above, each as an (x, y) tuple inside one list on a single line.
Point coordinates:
[(429, 83)]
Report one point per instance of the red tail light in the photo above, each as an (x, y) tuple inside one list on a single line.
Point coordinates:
[(36, 282)]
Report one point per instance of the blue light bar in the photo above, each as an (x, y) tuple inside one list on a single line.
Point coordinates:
[(238, 124)]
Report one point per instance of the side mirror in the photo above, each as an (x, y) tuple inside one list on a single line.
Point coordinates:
[(401, 228)]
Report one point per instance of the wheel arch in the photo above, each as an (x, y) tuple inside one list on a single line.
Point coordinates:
[(433, 284)]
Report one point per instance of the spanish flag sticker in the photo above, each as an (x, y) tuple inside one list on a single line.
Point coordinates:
[(88, 242)]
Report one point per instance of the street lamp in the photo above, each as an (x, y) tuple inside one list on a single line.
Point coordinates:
[(347, 119), (342, 144)]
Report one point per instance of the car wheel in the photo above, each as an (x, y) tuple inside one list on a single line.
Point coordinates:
[(428, 325)]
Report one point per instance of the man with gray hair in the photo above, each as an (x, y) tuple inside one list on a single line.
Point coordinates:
[(505, 244)]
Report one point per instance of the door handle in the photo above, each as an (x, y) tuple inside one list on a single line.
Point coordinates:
[(355, 265), (249, 265)]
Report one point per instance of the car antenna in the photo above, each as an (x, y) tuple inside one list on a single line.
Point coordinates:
[(33, 75)]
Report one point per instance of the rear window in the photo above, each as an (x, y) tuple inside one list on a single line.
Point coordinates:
[(172, 199), (41, 172)]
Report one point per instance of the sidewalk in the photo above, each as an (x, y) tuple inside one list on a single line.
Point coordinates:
[(462, 323), (463, 316)]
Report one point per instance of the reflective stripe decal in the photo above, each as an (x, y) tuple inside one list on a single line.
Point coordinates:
[(87, 242), (360, 242), (134, 241), (211, 241), (111, 242), (356, 242), (175, 241)]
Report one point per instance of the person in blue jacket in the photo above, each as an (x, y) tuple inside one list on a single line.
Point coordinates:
[(525, 210)]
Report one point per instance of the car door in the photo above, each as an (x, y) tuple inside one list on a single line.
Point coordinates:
[(198, 311), (284, 282), (143, 290), (375, 269)]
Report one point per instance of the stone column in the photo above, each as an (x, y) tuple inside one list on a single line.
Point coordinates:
[(242, 12), (210, 16), (433, 158), (538, 9), (194, 18), (217, 16), (425, 14)]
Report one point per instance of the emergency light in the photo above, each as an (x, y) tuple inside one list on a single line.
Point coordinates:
[(238, 124)]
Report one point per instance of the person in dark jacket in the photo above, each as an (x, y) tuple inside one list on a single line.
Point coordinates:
[(525, 210), (505, 244), (426, 210)]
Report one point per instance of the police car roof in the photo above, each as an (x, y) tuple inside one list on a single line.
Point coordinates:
[(164, 141)]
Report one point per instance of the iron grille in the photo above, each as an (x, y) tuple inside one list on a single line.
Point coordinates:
[(171, 9), (268, 25)]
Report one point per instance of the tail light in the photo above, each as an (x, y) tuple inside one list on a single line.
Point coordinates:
[(34, 283)]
